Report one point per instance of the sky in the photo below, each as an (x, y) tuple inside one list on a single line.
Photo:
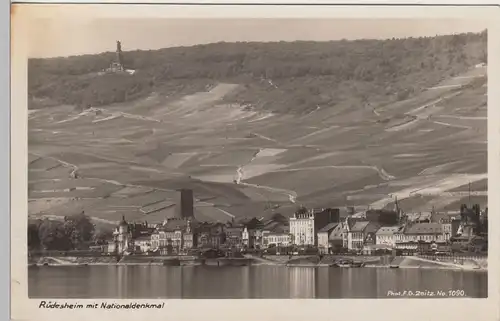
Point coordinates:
[(66, 37)]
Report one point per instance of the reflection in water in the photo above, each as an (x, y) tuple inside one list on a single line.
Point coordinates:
[(243, 282), (302, 282)]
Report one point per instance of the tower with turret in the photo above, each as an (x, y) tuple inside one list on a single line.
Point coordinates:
[(123, 236)]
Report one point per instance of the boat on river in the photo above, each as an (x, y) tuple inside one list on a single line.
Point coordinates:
[(348, 264)]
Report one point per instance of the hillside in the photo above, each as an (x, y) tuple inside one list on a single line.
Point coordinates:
[(280, 77), (193, 129)]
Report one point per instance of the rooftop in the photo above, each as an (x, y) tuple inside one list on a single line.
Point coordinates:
[(353, 220), (328, 227), (419, 216), (337, 232), (388, 230), (372, 227), (425, 228), (359, 226), (277, 227)]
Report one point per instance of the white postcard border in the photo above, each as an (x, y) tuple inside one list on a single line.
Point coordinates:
[(383, 309)]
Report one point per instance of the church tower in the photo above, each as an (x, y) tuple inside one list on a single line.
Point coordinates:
[(123, 236)]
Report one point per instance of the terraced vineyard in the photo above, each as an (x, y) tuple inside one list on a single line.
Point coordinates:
[(129, 158)]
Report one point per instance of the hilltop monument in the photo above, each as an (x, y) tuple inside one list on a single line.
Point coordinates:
[(119, 57), (117, 65)]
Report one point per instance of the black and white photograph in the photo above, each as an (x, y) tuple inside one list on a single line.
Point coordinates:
[(257, 158)]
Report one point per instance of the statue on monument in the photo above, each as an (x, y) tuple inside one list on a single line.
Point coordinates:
[(117, 65), (119, 60)]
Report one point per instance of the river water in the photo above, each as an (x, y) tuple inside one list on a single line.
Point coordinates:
[(264, 282)]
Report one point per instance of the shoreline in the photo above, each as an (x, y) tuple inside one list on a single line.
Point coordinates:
[(316, 266), (306, 261)]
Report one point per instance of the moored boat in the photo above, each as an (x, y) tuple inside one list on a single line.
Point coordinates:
[(348, 264)]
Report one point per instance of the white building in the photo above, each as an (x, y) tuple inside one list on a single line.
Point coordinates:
[(123, 237), (245, 237), (426, 232), (386, 235), (143, 244), (277, 239), (418, 234), (302, 227), (112, 247), (360, 234), (356, 236)]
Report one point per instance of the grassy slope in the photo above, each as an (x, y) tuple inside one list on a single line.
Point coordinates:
[(196, 128), (281, 77)]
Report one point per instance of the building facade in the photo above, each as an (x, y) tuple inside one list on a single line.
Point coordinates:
[(302, 227), (419, 237), (356, 236), (360, 234), (248, 238), (305, 224), (211, 235), (386, 235), (336, 238), (324, 238), (189, 239), (234, 236), (276, 239), (142, 244), (122, 237), (426, 232)]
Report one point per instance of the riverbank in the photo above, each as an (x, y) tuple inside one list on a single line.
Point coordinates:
[(139, 260), (313, 261), (265, 282)]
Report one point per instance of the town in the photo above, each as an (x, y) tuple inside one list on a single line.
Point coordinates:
[(308, 232)]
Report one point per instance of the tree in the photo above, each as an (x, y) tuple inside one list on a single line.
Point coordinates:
[(79, 229), (33, 237), (52, 235), (101, 236), (323, 66)]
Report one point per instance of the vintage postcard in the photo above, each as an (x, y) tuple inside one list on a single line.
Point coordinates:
[(255, 161)]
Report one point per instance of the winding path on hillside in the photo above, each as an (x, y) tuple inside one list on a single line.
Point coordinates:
[(292, 195)]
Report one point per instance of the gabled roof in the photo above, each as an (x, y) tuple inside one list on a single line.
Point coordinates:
[(123, 222), (388, 230), (372, 227), (353, 220), (277, 227), (425, 228), (337, 232), (419, 216), (359, 226), (175, 224), (270, 226), (234, 229), (328, 227)]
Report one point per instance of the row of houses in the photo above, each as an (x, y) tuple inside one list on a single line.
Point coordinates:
[(408, 232), (179, 235), (324, 229)]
